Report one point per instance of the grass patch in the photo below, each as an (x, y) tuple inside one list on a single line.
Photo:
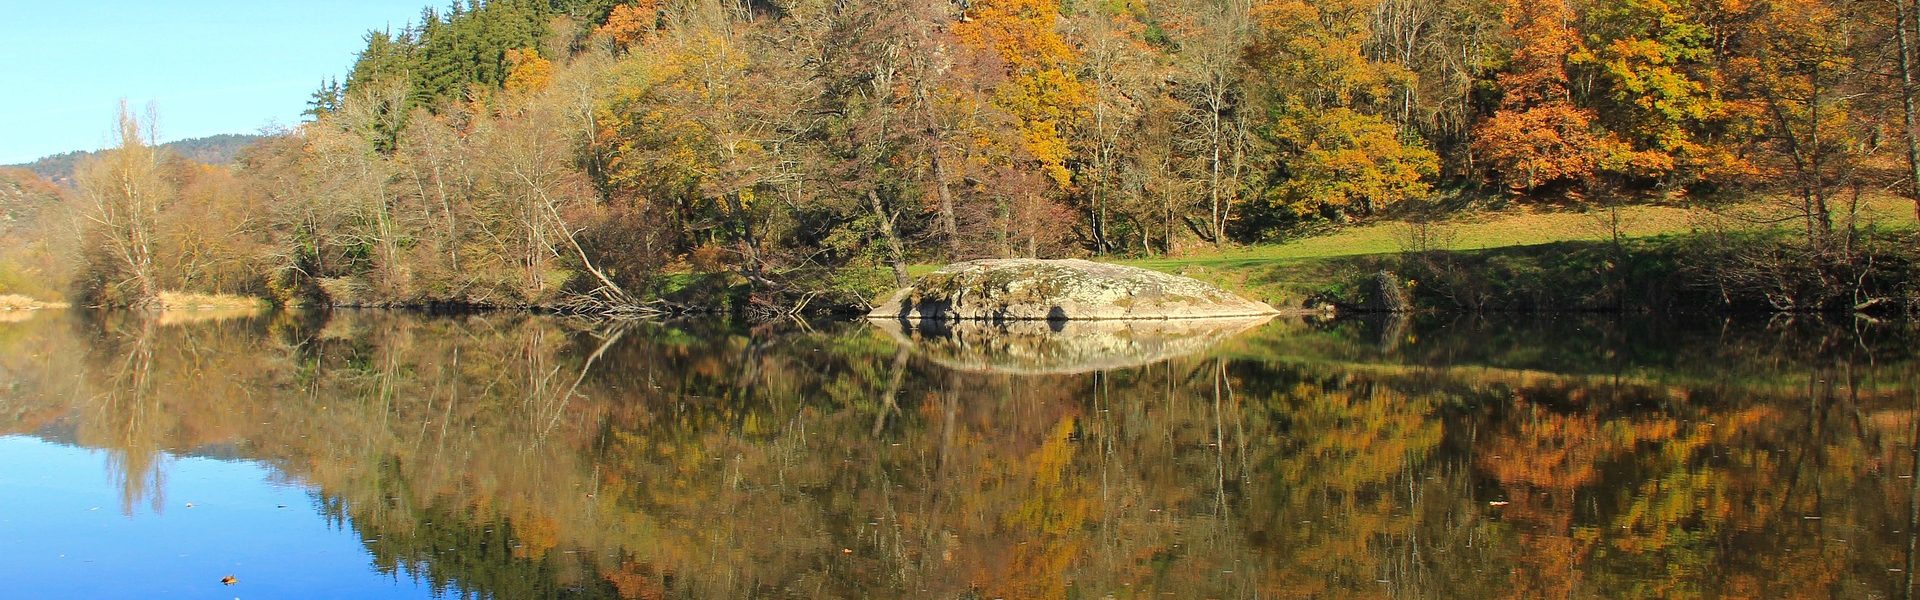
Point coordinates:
[(181, 308), (1524, 226), (19, 302), (194, 301), (1289, 273)]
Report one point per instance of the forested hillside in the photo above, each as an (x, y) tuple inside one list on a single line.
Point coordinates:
[(591, 154), (220, 149), (34, 236)]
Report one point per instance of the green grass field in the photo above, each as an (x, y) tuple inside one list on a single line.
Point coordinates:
[(1285, 274)]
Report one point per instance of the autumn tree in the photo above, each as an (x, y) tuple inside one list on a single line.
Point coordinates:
[(530, 72), (1538, 136), (1327, 151), (1794, 63), (972, 142), (1658, 93), (631, 22), (702, 127), (1210, 39), (1040, 91), (1122, 72), (211, 236), (38, 236), (866, 142), (1448, 47)]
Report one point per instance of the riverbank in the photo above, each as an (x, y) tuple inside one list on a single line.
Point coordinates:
[(1630, 259), (1690, 271)]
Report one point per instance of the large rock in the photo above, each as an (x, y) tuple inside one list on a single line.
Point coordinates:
[(1027, 289)]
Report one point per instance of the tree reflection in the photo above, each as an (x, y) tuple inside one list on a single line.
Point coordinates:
[(518, 456)]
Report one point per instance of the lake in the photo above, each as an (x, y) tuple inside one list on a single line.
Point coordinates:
[(373, 454)]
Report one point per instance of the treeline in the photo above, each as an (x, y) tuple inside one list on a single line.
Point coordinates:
[(590, 154)]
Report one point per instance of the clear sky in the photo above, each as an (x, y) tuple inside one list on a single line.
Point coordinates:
[(210, 67)]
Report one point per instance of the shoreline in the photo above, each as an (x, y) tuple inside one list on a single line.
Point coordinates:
[(1693, 274)]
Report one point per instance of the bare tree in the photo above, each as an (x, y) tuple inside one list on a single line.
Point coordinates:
[(122, 195), (1209, 83)]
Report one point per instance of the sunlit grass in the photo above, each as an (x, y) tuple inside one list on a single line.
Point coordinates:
[(1519, 227), (1285, 273), (194, 301), (15, 302)]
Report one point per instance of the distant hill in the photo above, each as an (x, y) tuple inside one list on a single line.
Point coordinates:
[(35, 246), (214, 149), (22, 196)]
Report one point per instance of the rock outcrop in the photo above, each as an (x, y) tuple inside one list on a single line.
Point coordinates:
[(1057, 290)]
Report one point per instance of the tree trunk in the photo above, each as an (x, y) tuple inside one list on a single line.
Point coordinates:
[(1213, 183), (1097, 214), (1904, 30), (1817, 181), (896, 259), (1166, 225), (947, 222), (614, 291)]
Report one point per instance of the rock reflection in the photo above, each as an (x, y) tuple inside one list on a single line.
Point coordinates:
[(1033, 347), (510, 456)]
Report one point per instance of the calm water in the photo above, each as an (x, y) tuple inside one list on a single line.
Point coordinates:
[(373, 455)]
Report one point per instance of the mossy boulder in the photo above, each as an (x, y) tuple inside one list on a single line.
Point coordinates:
[(1056, 290)]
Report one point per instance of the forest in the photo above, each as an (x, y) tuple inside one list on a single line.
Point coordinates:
[(600, 156)]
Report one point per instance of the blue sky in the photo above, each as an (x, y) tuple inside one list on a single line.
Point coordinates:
[(223, 66)]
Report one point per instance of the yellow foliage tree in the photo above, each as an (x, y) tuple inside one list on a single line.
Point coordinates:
[(1041, 90), (531, 72), (1326, 151)]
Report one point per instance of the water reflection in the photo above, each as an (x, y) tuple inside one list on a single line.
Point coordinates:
[(1060, 347), (514, 456)]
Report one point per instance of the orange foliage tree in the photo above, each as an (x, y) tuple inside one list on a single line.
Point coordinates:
[(1539, 137), (631, 22)]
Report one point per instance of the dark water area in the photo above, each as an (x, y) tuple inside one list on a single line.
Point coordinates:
[(376, 454)]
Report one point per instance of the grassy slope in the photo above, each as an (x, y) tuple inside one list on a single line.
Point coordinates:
[(1286, 274)]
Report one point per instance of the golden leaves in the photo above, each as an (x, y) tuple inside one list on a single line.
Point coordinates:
[(1041, 90), (631, 23), (1534, 146), (531, 72)]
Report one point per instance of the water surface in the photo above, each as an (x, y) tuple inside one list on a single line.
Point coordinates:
[(373, 455)]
